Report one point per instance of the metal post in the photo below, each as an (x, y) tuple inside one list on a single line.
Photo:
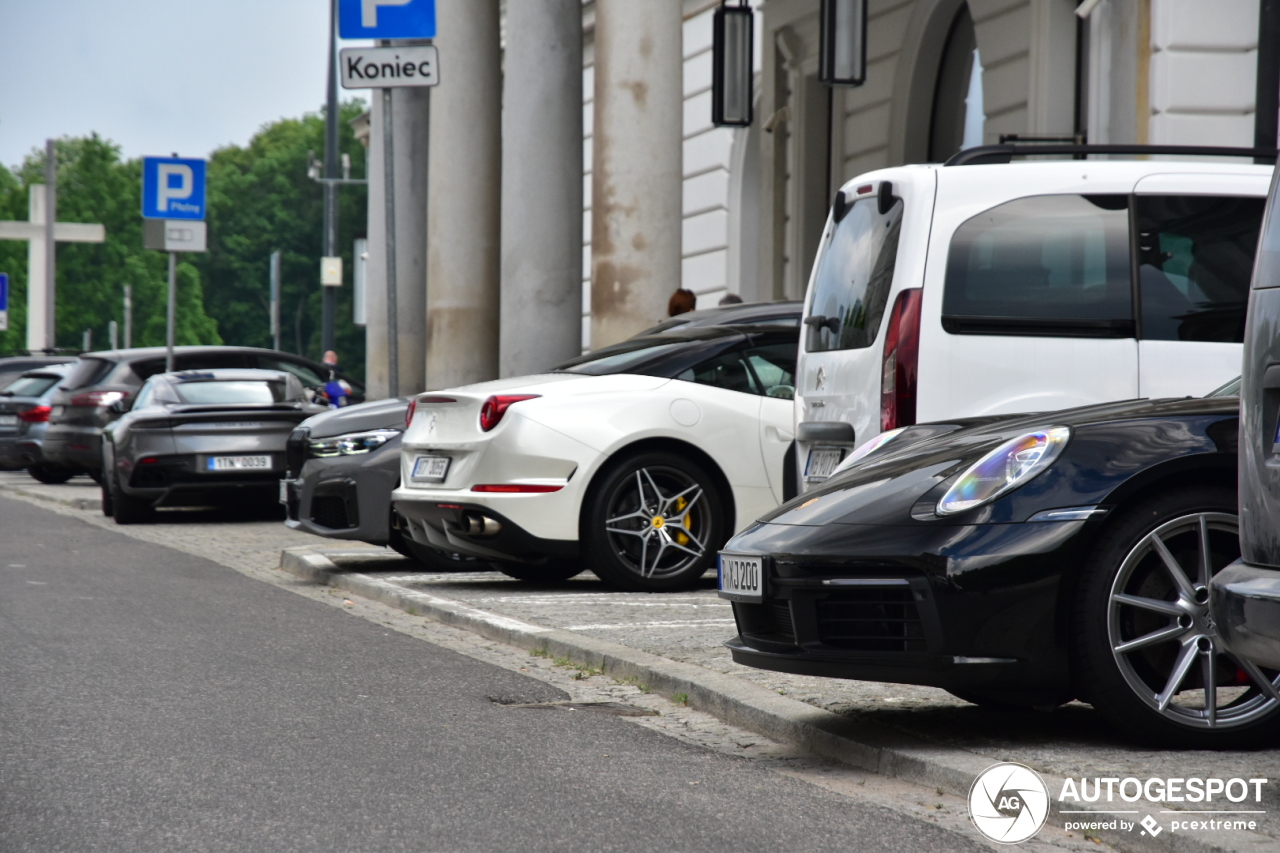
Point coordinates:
[(128, 316), (275, 299), (330, 188), (50, 245), (86, 341), (113, 334), (173, 298), (388, 170)]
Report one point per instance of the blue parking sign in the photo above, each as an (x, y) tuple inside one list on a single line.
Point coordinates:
[(387, 19), (172, 188), (4, 302)]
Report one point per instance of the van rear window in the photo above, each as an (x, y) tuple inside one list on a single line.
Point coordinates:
[(1042, 265)]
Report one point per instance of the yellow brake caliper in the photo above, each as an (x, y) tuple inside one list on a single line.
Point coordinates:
[(681, 503)]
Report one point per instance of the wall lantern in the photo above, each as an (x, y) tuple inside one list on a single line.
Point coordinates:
[(731, 66), (843, 56)]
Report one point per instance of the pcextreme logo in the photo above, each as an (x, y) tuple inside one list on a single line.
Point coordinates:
[(1008, 803)]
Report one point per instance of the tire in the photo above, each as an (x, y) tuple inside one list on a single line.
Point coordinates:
[(108, 502), (629, 515), (50, 475), (126, 509), (1146, 653), (552, 571)]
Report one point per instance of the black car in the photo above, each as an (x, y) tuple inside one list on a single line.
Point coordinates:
[(783, 314), (1246, 595), (200, 437), (82, 406), (1020, 561)]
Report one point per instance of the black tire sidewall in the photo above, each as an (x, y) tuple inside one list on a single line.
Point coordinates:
[(1098, 677), (595, 541)]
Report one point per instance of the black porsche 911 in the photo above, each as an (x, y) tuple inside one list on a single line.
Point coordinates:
[(1020, 560)]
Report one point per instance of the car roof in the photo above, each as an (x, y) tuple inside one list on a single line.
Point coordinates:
[(741, 313), (137, 353), (227, 374), (59, 370)]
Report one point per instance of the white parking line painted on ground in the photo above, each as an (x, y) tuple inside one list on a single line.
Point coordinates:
[(691, 624)]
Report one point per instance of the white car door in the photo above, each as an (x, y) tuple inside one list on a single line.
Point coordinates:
[(1197, 235)]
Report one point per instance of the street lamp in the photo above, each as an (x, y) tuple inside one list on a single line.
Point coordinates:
[(843, 56), (731, 66)]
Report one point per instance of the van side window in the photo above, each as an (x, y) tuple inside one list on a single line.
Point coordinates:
[(1195, 258), (854, 277), (1042, 265)]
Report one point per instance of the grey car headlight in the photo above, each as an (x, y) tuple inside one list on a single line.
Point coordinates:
[(351, 444)]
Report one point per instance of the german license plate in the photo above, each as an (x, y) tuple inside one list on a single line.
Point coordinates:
[(740, 577), (239, 463), (431, 468), (8, 420), (822, 461)]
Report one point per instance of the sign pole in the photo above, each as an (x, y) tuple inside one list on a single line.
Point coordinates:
[(388, 170), (128, 316), (327, 334), (275, 299), (50, 246), (173, 294)]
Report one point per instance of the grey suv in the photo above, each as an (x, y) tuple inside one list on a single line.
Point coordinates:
[(83, 403)]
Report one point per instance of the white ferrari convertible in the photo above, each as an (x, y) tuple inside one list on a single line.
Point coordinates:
[(637, 461)]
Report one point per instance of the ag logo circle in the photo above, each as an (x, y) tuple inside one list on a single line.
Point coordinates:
[(1008, 803)]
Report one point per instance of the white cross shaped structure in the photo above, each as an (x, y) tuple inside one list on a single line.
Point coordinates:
[(33, 231)]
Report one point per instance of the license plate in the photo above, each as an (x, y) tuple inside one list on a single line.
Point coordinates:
[(239, 463), (822, 461), (740, 577), (431, 468), (284, 491), (8, 420)]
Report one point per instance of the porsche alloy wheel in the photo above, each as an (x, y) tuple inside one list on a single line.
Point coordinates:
[(1168, 673), (656, 525)]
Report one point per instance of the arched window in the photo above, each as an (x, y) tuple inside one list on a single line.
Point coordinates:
[(958, 118)]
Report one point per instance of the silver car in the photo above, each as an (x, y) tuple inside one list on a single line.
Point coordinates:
[(25, 406), (200, 437)]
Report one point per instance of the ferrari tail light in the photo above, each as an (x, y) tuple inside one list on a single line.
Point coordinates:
[(496, 406), (98, 399), (36, 415), (901, 358), (410, 412), (515, 488)]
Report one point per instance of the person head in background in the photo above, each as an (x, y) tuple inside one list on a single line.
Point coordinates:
[(681, 302), (730, 299), (330, 358)]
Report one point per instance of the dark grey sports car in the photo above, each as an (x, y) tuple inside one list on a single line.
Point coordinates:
[(195, 438)]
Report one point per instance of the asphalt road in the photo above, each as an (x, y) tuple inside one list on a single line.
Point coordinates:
[(151, 700)]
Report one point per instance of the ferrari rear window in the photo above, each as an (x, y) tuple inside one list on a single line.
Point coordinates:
[(229, 391)]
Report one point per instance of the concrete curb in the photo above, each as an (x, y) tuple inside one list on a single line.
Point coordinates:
[(74, 503), (862, 744)]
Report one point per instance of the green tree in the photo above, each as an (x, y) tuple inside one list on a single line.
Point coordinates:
[(95, 185), (260, 201)]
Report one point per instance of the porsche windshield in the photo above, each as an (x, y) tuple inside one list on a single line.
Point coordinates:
[(231, 391)]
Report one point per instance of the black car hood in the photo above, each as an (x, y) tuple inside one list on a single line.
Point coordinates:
[(1107, 440), (379, 414)]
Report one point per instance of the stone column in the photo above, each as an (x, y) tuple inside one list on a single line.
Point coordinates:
[(411, 116), (636, 166), (463, 197), (541, 186)]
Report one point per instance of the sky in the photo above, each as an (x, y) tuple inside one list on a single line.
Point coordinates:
[(157, 77)]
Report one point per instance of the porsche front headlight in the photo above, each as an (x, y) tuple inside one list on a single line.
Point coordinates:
[(1004, 469), (351, 444)]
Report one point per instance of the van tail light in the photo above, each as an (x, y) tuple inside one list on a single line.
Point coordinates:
[(496, 406), (898, 373), (98, 399), (36, 415), (410, 412)]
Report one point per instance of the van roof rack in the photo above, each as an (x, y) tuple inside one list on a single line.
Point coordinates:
[(985, 154)]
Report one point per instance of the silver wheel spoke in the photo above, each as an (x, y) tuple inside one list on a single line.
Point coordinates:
[(1257, 676), (659, 500), (637, 514), (1175, 571), (1163, 635), (641, 533), (1209, 670), (680, 517), (1169, 608), (698, 553), (1186, 658), (1206, 563), (644, 553)]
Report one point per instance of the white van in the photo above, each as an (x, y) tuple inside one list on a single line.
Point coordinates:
[(944, 291)]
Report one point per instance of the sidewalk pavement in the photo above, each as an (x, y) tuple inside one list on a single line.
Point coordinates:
[(672, 644)]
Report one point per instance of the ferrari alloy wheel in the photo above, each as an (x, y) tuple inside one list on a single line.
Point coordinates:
[(655, 523), (1158, 666)]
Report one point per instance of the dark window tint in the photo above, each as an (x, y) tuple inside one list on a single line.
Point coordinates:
[(1055, 264), (1195, 258), (728, 370), (31, 386), (306, 375), (87, 371), (774, 367), (854, 276)]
